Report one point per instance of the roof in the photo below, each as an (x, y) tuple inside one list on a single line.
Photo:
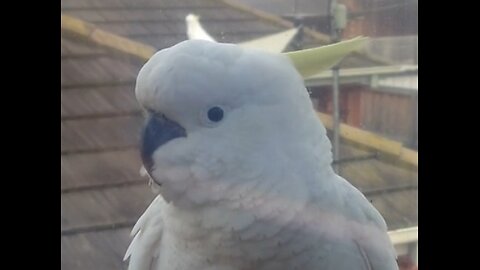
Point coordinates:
[(397, 77), (102, 191), (162, 23), (392, 189), (408, 82)]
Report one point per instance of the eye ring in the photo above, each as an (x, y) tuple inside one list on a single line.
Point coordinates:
[(213, 115)]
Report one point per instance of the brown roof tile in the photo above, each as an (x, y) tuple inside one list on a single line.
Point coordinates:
[(95, 250), (98, 101), (104, 206), (99, 70), (100, 169), (85, 135)]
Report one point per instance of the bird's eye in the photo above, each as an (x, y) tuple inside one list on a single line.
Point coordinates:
[(212, 116), (215, 114)]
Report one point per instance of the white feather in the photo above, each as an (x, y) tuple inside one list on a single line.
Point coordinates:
[(147, 232), (195, 30)]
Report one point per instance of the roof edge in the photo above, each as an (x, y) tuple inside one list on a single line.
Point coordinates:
[(367, 71), (275, 19), (390, 148), (113, 41)]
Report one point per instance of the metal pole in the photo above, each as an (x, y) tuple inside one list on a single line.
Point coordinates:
[(336, 118), (335, 93)]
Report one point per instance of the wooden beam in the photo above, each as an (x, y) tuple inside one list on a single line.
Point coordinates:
[(373, 141), (105, 38), (403, 236), (409, 156)]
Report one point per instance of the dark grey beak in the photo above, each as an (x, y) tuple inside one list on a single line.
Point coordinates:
[(157, 131)]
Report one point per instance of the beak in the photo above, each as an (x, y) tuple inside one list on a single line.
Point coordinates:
[(157, 131)]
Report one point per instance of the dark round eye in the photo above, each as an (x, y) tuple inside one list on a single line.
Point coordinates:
[(215, 114)]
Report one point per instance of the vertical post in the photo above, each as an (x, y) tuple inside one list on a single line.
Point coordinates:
[(335, 90), (336, 118), (414, 133), (338, 21)]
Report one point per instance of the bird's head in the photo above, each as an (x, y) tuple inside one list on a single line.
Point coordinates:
[(219, 115)]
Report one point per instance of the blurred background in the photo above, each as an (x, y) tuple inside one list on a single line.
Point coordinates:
[(104, 43)]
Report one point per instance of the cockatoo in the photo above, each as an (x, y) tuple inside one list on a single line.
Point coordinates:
[(243, 167)]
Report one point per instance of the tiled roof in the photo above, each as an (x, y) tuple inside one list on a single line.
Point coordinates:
[(162, 23), (100, 183)]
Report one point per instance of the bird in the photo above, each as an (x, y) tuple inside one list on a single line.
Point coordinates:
[(243, 169), (195, 30)]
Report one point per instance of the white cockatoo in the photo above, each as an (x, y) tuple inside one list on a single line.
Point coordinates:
[(243, 167)]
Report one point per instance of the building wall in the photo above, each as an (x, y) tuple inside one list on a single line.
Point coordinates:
[(392, 115), (377, 19)]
